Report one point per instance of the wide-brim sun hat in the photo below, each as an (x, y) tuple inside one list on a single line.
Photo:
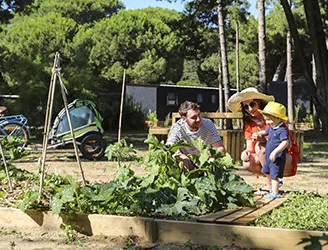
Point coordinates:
[(275, 109), (234, 102)]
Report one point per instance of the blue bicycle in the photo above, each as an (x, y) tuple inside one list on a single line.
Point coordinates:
[(14, 128)]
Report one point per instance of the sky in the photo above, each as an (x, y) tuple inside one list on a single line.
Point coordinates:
[(140, 4)]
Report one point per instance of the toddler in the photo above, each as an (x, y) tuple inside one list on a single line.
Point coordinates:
[(278, 140)]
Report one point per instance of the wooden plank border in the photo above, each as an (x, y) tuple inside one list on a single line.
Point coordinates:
[(165, 231), (228, 235), (92, 224)]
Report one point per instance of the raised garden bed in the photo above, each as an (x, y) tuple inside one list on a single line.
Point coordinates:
[(164, 231)]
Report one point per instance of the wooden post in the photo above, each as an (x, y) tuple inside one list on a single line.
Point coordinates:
[(121, 109)]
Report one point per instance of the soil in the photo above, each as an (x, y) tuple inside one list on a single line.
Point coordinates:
[(312, 176)]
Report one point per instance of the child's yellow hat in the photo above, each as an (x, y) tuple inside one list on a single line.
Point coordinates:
[(275, 109)]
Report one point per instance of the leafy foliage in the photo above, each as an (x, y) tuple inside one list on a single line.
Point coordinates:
[(299, 211), (121, 151), (9, 7), (11, 148), (208, 188), (82, 11), (167, 190), (143, 41)]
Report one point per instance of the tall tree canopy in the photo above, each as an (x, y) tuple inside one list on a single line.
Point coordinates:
[(82, 11), (9, 7), (145, 42), (97, 39)]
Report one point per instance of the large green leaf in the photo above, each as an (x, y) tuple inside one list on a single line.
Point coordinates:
[(65, 195)]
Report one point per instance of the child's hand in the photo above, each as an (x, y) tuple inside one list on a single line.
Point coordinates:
[(273, 156), (255, 136)]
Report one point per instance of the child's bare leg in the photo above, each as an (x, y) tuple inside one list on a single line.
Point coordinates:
[(268, 182), (275, 186)]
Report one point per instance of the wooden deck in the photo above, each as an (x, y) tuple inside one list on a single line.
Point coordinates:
[(244, 215)]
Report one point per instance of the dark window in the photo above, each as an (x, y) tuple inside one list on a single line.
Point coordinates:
[(171, 99), (199, 98), (213, 99)]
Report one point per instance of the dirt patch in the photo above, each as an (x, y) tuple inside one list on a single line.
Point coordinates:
[(310, 177), (312, 174), (32, 240)]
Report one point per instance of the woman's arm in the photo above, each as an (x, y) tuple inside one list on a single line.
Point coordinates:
[(247, 152)]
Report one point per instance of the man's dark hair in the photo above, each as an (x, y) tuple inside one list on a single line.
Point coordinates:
[(187, 105)]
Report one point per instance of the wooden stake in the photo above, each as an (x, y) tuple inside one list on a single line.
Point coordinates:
[(47, 122), (55, 74), (6, 167), (71, 126), (121, 109)]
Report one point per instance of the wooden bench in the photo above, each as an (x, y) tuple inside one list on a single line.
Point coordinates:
[(213, 115)]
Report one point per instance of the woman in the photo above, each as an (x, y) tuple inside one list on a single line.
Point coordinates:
[(249, 101)]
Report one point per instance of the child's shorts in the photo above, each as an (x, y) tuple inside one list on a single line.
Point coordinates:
[(275, 169)]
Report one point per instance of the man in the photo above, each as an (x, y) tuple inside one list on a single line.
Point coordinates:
[(191, 126)]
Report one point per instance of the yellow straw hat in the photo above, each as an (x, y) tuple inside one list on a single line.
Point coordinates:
[(234, 102), (275, 109)]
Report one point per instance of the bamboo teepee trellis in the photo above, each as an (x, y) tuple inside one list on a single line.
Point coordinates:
[(56, 74)]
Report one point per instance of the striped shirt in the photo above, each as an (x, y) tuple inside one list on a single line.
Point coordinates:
[(207, 132)]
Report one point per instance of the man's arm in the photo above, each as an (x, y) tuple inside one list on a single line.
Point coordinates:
[(173, 135), (219, 146)]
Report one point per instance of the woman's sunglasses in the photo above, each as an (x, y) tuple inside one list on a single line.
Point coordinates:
[(252, 104)]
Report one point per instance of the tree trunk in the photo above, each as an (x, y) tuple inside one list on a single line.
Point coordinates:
[(237, 58), (290, 82), (320, 53), (224, 59), (220, 94), (237, 66), (280, 70), (315, 115), (319, 102), (324, 4), (261, 37)]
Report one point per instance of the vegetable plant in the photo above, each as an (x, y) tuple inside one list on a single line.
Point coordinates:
[(166, 190), (121, 151)]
